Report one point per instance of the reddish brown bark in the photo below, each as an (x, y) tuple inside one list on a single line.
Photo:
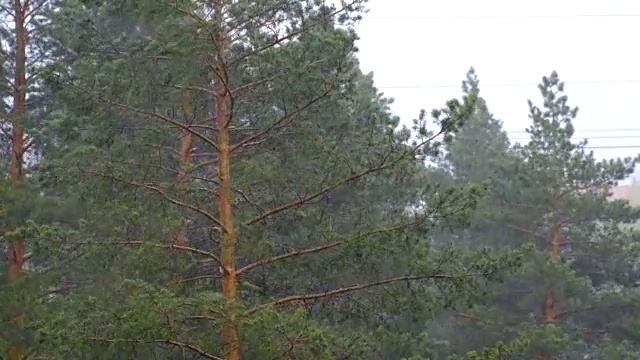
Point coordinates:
[(544, 356), (180, 235), (555, 240), (182, 183), (227, 257), (184, 155), (550, 311), (17, 246)]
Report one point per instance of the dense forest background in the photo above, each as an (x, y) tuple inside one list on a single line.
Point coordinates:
[(218, 179)]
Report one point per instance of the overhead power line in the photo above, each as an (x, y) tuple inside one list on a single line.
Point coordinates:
[(435, 86), (594, 137), (592, 147), (613, 147), (588, 131), (445, 17)]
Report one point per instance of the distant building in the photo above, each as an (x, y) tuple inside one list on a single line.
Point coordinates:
[(630, 193), (623, 192)]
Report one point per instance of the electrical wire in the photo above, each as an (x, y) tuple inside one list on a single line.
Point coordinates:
[(463, 17), (586, 137), (592, 131), (504, 17), (600, 137), (444, 86), (613, 147), (593, 147)]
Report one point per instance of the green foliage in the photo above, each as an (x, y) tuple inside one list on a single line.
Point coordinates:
[(348, 245), (309, 129), (551, 185)]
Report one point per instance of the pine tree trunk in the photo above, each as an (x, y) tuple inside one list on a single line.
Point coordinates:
[(17, 246), (549, 309), (229, 281), (182, 184), (227, 257), (184, 162), (184, 159)]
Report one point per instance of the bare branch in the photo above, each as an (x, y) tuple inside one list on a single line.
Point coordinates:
[(158, 116), (29, 145), (524, 230), (320, 247), (201, 277), (194, 87), (291, 35), (200, 317), (168, 120), (34, 10), (174, 201), (251, 84), (288, 255), (472, 317), (529, 206), (182, 345), (7, 11), (193, 250), (57, 290), (308, 198), (283, 120), (383, 165), (352, 288)]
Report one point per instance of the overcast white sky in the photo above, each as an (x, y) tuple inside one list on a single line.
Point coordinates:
[(420, 51)]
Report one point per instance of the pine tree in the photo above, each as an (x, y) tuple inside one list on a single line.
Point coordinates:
[(24, 51), (255, 162), (477, 151), (556, 197)]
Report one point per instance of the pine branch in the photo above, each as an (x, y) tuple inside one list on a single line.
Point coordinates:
[(292, 34), (524, 230), (172, 200), (308, 198), (320, 248), (382, 166), (287, 256), (283, 120), (189, 249), (472, 317), (209, 141), (171, 342), (352, 288)]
